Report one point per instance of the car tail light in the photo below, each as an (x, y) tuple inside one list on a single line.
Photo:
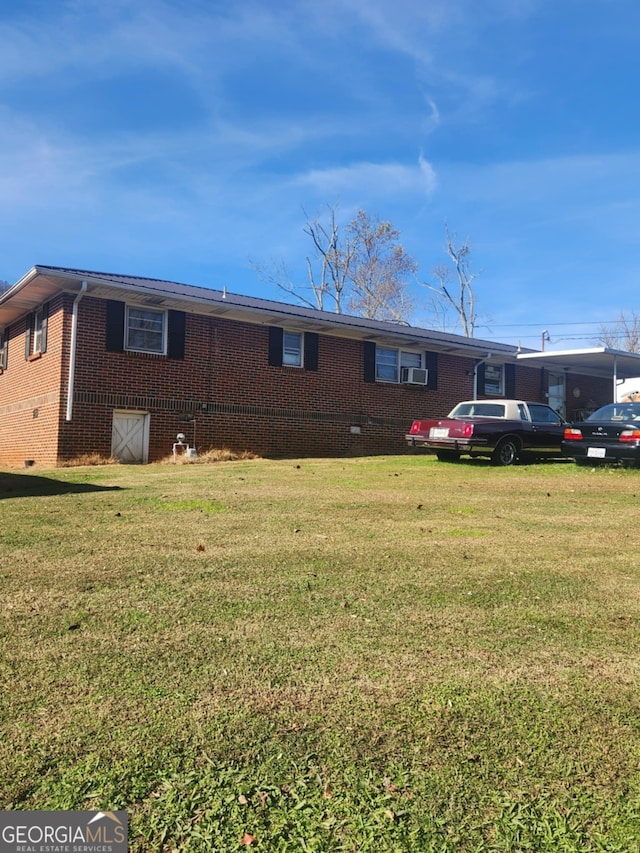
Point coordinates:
[(630, 435), (571, 434), (415, 426), (467, 430)]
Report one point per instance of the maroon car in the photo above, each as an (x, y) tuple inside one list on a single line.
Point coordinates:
[(503, 430)]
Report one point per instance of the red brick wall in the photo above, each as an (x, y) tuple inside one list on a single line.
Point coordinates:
[(241, 402), (30, 395), (225, 382)]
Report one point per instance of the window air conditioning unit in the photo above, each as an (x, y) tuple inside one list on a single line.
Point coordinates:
[(414, 375)]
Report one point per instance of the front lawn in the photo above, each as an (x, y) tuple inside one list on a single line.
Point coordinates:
[(384, 654)]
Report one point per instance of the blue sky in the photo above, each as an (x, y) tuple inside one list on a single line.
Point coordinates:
[(178, 139)]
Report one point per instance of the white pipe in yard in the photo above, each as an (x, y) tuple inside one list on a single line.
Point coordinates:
[(72, 354)]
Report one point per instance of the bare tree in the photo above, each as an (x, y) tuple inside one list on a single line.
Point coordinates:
[(624, 334), (327, 267), (333, 257), (379, 271), (360, 267), (453, 285)]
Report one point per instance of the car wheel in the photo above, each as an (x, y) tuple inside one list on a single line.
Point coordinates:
[(448, 456), (506, 453)]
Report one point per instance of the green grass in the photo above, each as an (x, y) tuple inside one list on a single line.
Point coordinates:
[(385, 654)]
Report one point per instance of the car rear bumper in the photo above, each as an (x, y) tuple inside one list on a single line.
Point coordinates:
[(456, 445), (599, 454)]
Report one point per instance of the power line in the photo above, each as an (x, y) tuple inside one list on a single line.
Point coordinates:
[(542, 325)]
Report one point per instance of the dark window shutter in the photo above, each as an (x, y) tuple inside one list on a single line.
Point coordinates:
[(27, 335), (275, 346), (369, 361), (310, 351), (115, 326), (45, 325), (431, 363), (510, 380), (176, 322), (480, 378)]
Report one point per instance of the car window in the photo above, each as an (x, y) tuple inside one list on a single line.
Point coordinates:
[(543, 414), (478, 409), (617, 412), (489, 410), (462, 410), (523, 412)]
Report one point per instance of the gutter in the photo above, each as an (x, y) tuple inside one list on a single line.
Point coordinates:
[(72, 354)]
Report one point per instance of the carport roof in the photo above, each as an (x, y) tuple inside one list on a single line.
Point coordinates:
[(597, 361)]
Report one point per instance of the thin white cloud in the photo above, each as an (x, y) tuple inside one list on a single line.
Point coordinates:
[(428, 175), (370, 180), (402, 27)]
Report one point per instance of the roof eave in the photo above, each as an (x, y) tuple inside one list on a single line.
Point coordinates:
[(15, 303)]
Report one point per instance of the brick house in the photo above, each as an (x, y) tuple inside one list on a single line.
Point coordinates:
[(119, 365)]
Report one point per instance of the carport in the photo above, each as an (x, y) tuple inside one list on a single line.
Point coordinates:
[(603, 362)]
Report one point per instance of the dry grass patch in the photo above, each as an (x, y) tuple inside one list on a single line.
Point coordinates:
[(206, 457), (85, 459)]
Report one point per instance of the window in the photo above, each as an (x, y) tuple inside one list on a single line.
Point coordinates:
[(292, 349), (38, 328), (496, 379), (493, 379), (36, 332), (381, 364), (386, 365), (145, 330), (390, 361), (138, 329), (4, 337)]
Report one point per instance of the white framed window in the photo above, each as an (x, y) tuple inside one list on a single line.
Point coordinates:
[(37, 333), (494, 379), (145, 330), (4, 337), (389, 363), (292, 349)]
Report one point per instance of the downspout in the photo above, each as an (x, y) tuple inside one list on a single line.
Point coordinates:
[(72, 354), (615, 379), (475, 378), (475, 373)]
